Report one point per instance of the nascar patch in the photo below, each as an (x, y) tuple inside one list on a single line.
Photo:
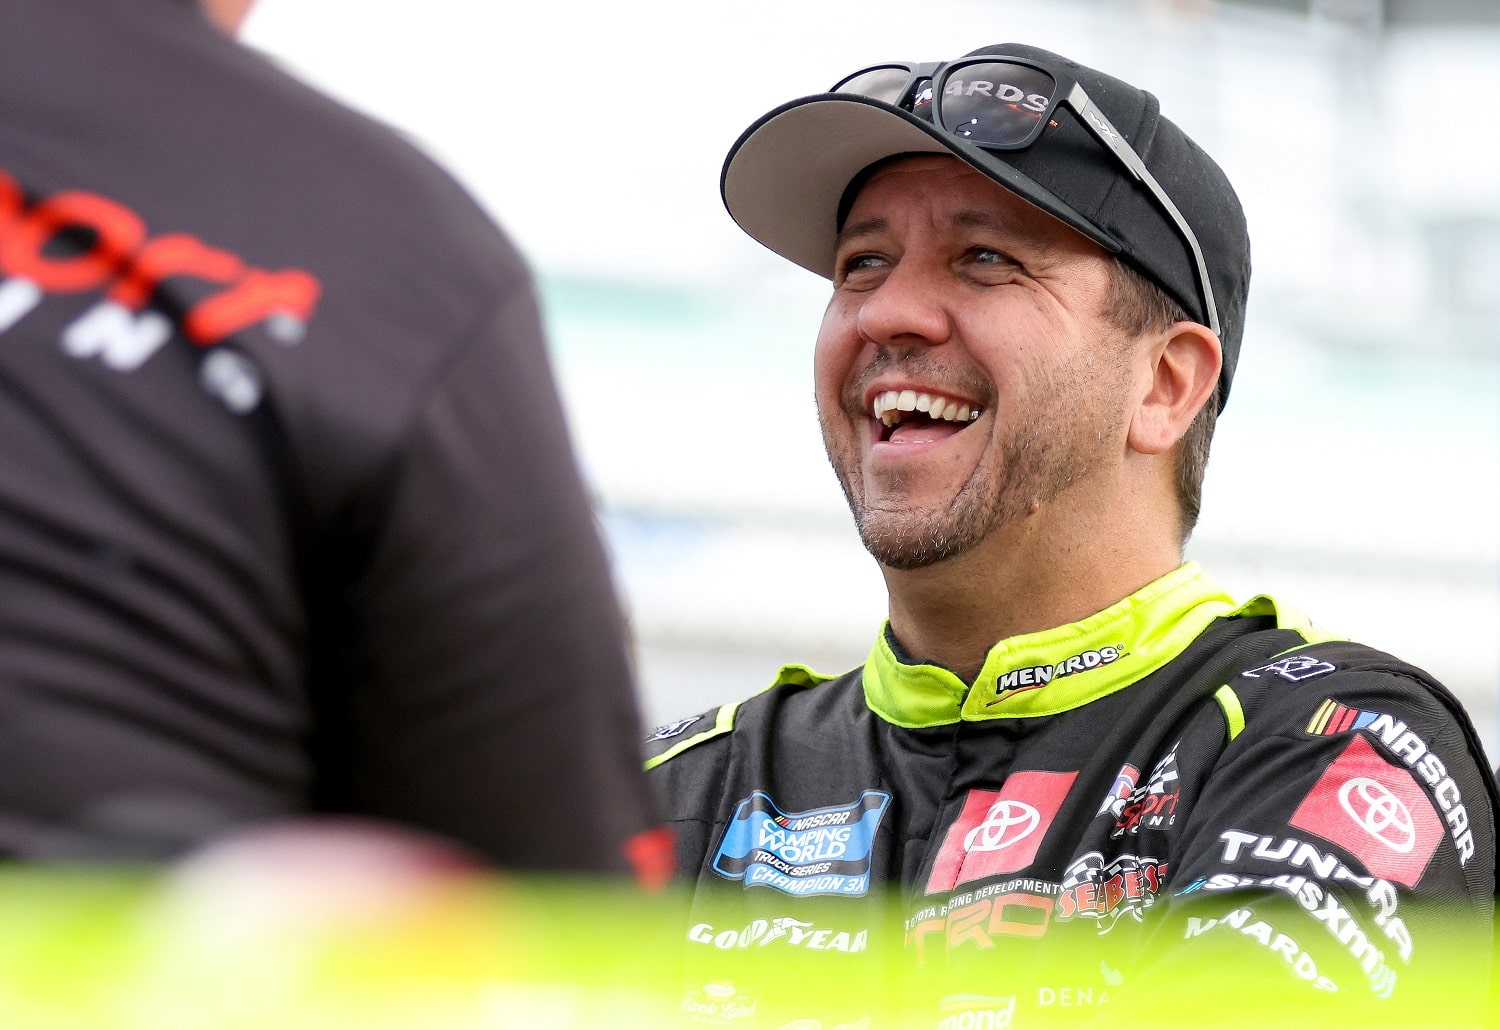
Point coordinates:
[(1332, 717), (822, 851)]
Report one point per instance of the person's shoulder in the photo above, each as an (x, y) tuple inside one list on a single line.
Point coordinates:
[(200, 134), (689, 760), (1297, 680), (369, 175), (1285, 659), (340, 180), (671, 739), (785, 702), (1298, 687), (1331, 689)]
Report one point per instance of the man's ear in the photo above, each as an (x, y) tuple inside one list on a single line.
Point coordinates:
[(1184, 362)]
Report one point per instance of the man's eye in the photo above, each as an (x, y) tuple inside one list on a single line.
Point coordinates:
[(859, 266), (986, 256), (859, 262)]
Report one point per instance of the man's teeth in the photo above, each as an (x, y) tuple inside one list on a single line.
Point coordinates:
[(890, 405)]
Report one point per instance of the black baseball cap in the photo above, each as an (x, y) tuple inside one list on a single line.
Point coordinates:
[(785, 179)]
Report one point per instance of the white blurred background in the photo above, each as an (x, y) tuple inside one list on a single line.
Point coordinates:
[(1356, 472)]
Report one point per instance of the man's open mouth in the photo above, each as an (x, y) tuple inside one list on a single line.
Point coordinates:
[(909, 416)]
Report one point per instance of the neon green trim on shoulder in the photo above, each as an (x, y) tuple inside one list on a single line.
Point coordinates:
[(1234, 715), (1287, 617), (1057, 669), (798, 676), (723, 723), (787, 676)]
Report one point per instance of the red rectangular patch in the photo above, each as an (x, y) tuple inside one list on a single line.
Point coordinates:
[(999, 831), (1376, 811)]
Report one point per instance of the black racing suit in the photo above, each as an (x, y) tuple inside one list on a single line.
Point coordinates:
[(289, 519), (1175, 803)]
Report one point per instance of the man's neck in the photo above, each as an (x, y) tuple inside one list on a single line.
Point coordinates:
[(953, 612)]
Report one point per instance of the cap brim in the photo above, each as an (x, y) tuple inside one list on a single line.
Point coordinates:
[(786, 174)]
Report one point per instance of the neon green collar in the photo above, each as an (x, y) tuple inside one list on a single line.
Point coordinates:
[(1056, 669)]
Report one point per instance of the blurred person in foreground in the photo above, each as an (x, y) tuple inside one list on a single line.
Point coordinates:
[(289, 519), (1073, 776)]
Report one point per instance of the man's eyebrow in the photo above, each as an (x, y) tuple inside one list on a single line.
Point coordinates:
[(1003, 227), (974, 218), (1037, 245), (980, 219), (866, 227)]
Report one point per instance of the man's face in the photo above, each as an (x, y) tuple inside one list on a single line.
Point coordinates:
[(989, 314)]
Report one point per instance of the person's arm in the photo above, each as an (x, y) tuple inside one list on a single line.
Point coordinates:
[(1340, 860)]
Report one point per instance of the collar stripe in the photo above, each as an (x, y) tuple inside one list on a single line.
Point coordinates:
[(1054, 670)]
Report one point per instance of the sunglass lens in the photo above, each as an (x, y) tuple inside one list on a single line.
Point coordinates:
[(996, 104), (885, 83)]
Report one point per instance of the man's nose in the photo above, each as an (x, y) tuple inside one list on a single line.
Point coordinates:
[(906, 309)]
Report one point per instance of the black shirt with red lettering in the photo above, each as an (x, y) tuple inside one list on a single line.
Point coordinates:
[(289, 519)]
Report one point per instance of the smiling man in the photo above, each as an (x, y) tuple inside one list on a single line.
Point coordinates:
[(1073, 771)]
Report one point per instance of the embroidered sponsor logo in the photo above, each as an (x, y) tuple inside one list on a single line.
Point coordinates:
[(781, 931), (1289, 851), (1382, 814), (1018, 907), (1415, 752), (824, 851), (1294, 668), (719, 1003), (1155, 804), (1324, 907), (1375, 811), (1242, 919), (1333, 718), (1080, 997), (971, 1012), (1119, 793), (669, 730), (999, 831), (1031, 676), (1006, 823), (1383, 898), (1105, 891)]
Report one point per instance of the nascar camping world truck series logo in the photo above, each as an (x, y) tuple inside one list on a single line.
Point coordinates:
[(823, 851)]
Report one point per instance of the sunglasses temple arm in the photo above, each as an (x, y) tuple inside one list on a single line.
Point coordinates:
[(1105, 132)]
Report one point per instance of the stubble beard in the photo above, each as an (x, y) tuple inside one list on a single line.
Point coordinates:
[(1044, 453)]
